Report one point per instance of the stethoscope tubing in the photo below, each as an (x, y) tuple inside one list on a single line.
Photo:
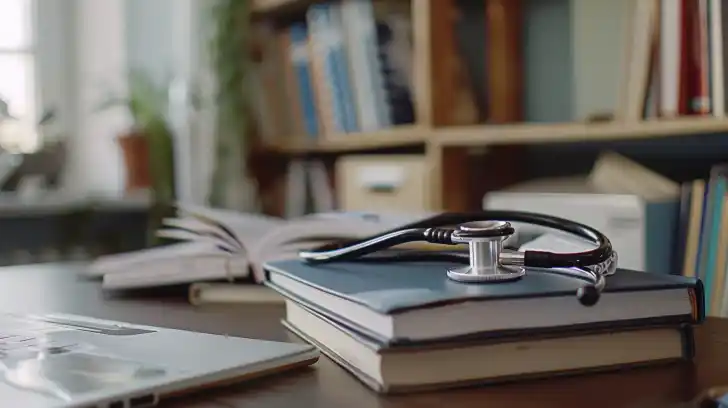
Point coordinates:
[(591, 266)]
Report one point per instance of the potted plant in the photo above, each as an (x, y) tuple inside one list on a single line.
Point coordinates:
[(147, 147)]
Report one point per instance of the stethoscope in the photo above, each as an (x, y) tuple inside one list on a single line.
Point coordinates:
[(487, 261)]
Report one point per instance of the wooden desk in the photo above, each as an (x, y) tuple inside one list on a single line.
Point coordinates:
[(56, 288)]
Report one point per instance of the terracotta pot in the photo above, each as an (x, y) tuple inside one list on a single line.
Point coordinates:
[(135, 148)]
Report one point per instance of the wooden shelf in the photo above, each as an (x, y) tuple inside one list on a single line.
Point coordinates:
[(576, 132), (267, 7), (483, 135), (400, 136)]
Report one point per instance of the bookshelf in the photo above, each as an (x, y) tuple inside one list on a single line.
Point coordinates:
[(264, 8), (401, 136), (488, 135), (576, 132), (441, 123)]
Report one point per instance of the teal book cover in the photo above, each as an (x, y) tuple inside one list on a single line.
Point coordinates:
[(717, 197)]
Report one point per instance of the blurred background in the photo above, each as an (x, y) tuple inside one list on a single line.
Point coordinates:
[(608, 112)]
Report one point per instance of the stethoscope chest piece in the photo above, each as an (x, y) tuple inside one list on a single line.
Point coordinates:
[(485, 243)]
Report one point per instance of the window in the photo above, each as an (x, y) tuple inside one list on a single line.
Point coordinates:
[(17, 74)]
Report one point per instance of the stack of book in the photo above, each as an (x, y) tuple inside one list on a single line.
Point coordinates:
[(402, 327)]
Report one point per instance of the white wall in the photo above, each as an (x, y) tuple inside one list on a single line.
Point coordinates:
[(54, 65), (99, 67), (87, 50), (151, 41), (168, 39)]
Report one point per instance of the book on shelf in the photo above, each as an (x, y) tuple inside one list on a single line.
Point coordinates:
[(210, 245), (703, 236), (346, 67), (400, 333), (676, 62)]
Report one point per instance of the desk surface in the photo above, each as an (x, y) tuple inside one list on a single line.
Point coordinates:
[(56, 288)]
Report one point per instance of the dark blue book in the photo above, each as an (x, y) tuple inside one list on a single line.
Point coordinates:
[(415, 302)]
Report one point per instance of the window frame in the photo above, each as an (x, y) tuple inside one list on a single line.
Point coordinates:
[(31, 51)]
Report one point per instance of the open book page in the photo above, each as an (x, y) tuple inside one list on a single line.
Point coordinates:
[(312, 231), (127, 261), (211, 238), (189, 236), (184, 269), (199, 227), (260, 234), (245, 228)]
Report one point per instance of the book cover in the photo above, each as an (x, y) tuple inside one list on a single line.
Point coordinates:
[(395, 287)]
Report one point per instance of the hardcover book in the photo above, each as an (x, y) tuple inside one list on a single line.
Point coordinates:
[(416, 301)]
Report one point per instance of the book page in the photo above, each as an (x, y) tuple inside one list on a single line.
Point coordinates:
[(184, 235), (124, 261), (312, 231), (180, 270), (194, 225), (246, 228)]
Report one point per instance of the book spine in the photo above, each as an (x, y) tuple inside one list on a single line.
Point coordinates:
[(697, 198), (327, 48), (670, 39), (717, 74), (319, 70), (293, 93), (377, 70), (700, 102), (396, 80), (300, 59), (689, 63), (719, 188), (342, 78), (271, 70), (367, 81)]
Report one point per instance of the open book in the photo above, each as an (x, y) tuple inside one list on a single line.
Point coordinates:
[(213, 244)]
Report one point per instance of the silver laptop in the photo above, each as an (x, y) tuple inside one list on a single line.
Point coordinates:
[(56, 360)]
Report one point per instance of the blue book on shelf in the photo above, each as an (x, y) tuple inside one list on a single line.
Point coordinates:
[(718, 186), (301, 65), (343, 79), (326, 28)]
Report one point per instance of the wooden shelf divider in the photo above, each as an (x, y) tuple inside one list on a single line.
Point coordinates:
[(529, 133), (400, 136), (510, 134), (268, 7)]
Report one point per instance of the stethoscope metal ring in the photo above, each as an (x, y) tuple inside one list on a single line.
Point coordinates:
[(466, 274), (485, 243)]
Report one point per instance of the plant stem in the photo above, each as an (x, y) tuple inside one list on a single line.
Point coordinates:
[(231, 63)]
